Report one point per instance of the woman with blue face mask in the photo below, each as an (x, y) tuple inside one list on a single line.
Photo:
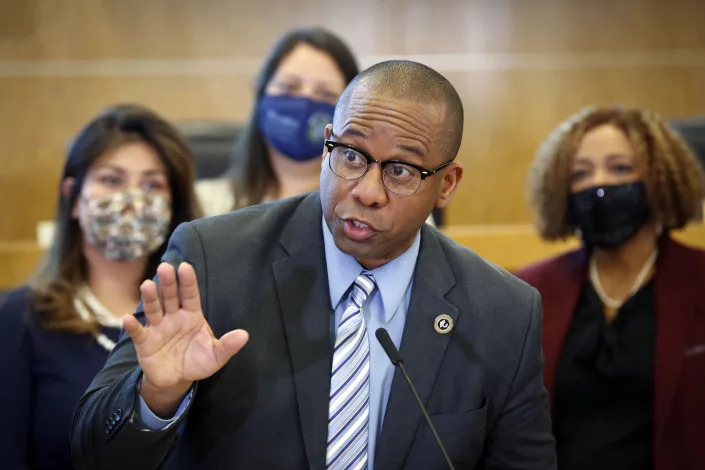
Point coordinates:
[(279, 153), (126, 184), (624, 316)]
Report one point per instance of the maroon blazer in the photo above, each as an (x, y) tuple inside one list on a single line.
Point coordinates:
[(679, 375)]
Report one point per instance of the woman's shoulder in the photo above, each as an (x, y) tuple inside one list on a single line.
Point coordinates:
[(16, 311), (215, 195), (682, 249), (548, 268), (681, 256), (19, 297)]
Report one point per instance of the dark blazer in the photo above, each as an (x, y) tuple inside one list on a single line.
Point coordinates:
[(46, 371), (679, 375), (263, 269)]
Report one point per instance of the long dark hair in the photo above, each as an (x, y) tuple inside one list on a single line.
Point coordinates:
[(64, 267), (251, 171)]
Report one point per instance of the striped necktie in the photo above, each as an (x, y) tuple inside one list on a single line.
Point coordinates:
[(348, 408)]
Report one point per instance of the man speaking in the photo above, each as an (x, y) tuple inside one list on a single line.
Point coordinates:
[(257, 347)]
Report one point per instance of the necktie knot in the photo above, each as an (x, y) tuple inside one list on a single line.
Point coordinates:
[(363, 286)]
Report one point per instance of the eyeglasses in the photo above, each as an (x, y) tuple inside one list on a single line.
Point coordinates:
[(400, 177)]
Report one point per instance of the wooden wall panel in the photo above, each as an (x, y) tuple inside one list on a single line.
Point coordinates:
[(520, 67), (19, 261), (93, 29)]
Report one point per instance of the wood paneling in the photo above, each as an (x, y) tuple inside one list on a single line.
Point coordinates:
[(520, 67), (19, 260), (95, 29)]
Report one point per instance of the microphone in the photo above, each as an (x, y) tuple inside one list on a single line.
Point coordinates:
[(393, 353)]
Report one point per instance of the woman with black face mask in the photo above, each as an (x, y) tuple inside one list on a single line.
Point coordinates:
[(279, 152), (624, 317)]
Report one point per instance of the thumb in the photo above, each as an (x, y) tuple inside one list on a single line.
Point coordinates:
[(134, 329), (229, 344)]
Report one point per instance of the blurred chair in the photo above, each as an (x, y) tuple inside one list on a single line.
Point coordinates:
[(211, 143), (693, 132)]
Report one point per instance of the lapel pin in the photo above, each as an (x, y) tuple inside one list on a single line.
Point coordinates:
[(443, 324)]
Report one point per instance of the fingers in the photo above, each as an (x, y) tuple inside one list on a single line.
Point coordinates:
[(169, 297), (150, 303), (168, 288), (229, 344), (134, 328), (190, 298)]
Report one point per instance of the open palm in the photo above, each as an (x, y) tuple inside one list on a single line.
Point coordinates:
[(177, 346)]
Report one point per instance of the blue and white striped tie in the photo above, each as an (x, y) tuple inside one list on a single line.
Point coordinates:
[(348, 409)]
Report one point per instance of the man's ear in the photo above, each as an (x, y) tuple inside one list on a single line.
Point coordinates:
[(66, 189), (327, 132), (449, 184)]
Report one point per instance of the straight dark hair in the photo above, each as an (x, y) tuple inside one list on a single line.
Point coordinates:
[(64, 267), (251, 170)]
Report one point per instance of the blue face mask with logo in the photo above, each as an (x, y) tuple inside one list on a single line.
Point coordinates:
[(294, 125)]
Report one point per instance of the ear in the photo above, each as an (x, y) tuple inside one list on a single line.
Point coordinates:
[(66, 188), (449, 184), (327, 132)]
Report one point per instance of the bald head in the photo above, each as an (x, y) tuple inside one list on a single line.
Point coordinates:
[(417, 83)]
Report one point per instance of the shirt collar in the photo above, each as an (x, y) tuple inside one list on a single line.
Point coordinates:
[(393, 278)]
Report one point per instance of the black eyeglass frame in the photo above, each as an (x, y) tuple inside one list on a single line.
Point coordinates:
[(425, 173)]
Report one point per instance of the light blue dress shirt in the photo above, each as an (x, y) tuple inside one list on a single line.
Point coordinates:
[(386, 307)]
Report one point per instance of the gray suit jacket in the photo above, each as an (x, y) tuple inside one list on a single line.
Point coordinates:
[(263, 269)]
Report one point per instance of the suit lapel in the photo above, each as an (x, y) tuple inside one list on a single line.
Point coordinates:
[(560, 297), (422, 349), (302, 286), (676, 295)]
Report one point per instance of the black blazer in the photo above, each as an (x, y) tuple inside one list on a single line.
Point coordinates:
[(263, 269), (47, 372)]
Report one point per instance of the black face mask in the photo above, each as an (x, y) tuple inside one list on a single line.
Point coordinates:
[(608, 216)]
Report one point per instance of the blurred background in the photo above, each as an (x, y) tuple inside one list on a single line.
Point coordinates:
[(520, 66)]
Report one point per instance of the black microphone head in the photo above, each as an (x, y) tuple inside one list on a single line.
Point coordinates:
[(388, 346)]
